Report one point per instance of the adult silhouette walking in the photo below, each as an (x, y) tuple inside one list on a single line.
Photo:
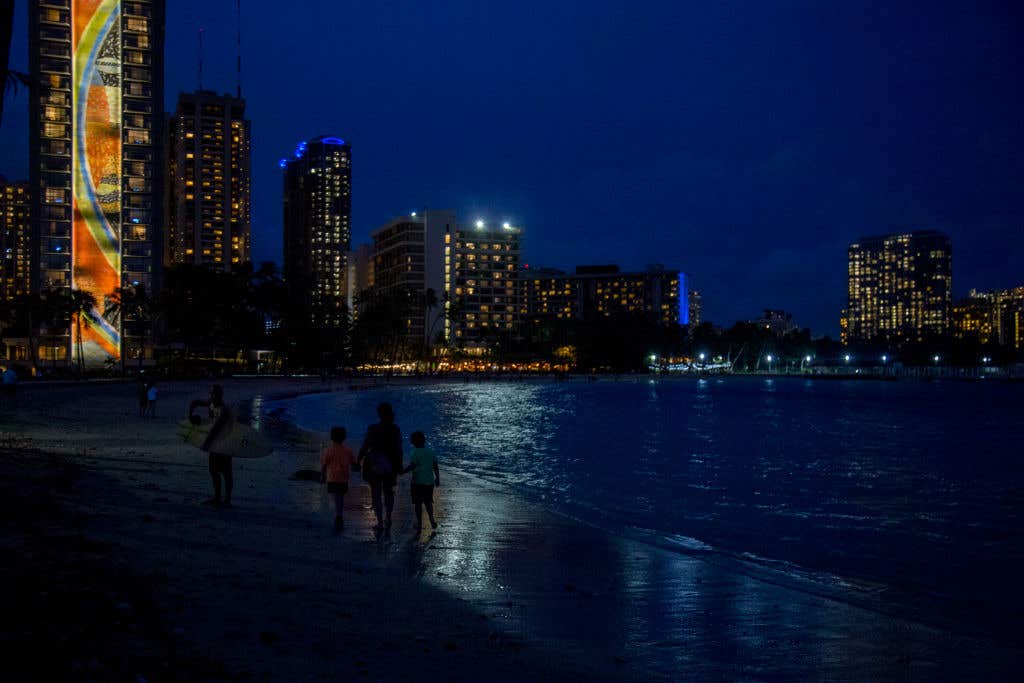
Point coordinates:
[(381, 460)]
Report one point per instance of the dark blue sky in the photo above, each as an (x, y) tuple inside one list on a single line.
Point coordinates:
[(745, 143)]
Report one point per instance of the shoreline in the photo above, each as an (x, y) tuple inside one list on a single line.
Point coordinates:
[(503, 586)]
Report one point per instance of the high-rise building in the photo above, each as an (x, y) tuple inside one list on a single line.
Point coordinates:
[(317, 220), (484, 301), (15, 240), (408, 262), (994, 316), (359, 277), (95, 126), (595, 292), (900, 288), (696, 308), (208, 213)]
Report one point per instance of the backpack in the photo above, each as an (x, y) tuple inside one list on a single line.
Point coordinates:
[(379, 463)]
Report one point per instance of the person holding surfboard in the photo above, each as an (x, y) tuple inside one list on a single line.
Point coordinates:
[(382, 452), (220, 463)]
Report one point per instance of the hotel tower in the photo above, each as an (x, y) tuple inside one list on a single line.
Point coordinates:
[(317, 220), (208, 217), (95, 173), (900, 289)]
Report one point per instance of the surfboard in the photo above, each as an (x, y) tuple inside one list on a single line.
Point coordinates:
[(235, 439)]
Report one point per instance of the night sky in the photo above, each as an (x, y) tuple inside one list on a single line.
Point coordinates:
[(746, 143)]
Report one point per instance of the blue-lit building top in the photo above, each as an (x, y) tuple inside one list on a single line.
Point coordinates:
[(317, 226)]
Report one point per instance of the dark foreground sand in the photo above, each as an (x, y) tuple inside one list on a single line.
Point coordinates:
[(112, 564)]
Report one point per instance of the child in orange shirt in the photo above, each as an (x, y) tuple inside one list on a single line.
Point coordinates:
[(335, 465)]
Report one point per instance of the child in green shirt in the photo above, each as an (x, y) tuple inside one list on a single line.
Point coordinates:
[(425, 476)]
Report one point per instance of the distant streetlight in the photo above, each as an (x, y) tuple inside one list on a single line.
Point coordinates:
[(986, 359), (507, 226), (414, 214), (884, 358), (701, 356), (847, 358), (480, 225), (936, 358)]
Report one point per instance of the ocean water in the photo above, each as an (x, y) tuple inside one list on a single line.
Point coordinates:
[(902, 496)]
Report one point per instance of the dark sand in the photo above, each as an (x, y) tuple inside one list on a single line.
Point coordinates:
[(115, 565)]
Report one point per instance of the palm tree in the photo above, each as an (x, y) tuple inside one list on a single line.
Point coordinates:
[(133, 303), (78, 303)]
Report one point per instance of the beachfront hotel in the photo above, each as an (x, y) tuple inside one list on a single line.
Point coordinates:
[(95, 162), (208, 216), (15, 240), (408, 262), (481, 274), (595, 292), (900, 289), (317, 225), (991, 317)]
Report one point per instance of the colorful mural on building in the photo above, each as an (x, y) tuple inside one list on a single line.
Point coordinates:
[(96, 171)]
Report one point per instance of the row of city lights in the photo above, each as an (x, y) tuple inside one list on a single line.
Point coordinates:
[(847, 358), (480, 225)]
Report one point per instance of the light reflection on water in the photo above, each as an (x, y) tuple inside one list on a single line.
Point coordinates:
[(896, 482)]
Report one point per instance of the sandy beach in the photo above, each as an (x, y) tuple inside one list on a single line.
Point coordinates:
[(110, 548)]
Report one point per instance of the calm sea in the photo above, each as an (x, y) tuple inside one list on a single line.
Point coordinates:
[(899, 495)]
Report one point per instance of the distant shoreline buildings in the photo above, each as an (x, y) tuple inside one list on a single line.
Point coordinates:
[(119, 190), (900, 289)]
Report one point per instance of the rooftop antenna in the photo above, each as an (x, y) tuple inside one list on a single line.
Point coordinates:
[(201, 31), (238, 48)]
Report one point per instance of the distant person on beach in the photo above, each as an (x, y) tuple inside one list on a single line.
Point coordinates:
[(335, 464), (220, 463), (425, 476), (381, 459), (10, 385), (151, 396), (143, 392)]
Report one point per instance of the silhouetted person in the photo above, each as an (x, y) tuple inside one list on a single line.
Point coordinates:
[(151, 396), (220, 463), (143, 394), (382, 453), (335, 464), (425, 476)]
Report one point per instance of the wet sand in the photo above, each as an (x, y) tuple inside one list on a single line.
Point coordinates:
[(503, 590)]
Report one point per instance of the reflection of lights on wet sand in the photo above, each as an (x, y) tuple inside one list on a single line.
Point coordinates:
[(256, 417), (467, 556)]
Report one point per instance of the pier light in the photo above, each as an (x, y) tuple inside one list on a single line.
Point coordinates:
[(413, 214), (884, 357), (847, 358), (986, 359), (701, 356), (652, 358), (936, 358), (480, 225), (507, 226), (807, 359), (769, 358)]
